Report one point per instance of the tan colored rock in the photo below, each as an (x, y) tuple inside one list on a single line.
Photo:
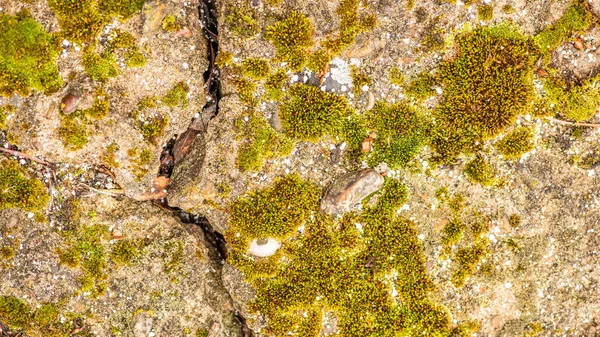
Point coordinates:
[(350, 190)]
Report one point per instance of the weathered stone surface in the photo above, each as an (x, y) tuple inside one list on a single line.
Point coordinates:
[(171, 286), (349, 190)]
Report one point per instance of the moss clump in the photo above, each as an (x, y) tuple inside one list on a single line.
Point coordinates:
[(516, 143), (277, 211), (139, 161), (6, 253), (73, 132), (291, 38), (485, 12), (331, 266), (274, 85), (46, 314), (28, 56), (421, 87), (154, 127), (453, 232), (359, 80), (13, 312), (457, 202), (401, 133), (109, 156), (246, 91), (101, 106), (263, 143), (81, 20), (309, 113), (177, 95), (396, 76), (241, 20), (100, 67), (201, 332), (484, 88), (70, 257), (508, 9), (256, 68), (3, 116), (123, 252), (467, 259), (577, 101), (224, 59), (514, 220), (480, 171), (575, 20), (318, 61), (169, 23), (135, 59), (19, 190)]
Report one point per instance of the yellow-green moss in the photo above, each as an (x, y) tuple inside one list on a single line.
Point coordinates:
[(81, 20), (201, 332), (274, 85), (28, 56), (331, 266), (13, 311), (72, 131), (3, 118), (46, 314), (169, 23), (291, 38), (6, 253), (467, 259), (453, 232), (421, 87), (516, 143), (457, 202), (485, 12), (400, 130), (480, 171), (514, 220), (177, 95), (442, 194), (318, 61), (154, 127), (508, 9), (241, 20), (110, 156), (256, 68), (485, 87), (101, 105), (70, 257), (309, 113), (135, 59), (576, 19), (20, 190), (262, 143), (123, 252), (359, 79), (139, 161), (100, 67), (246, 91), (224, 58), (396, 76), (577, 101)]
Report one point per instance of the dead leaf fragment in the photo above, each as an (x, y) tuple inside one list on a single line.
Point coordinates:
[(158, 190), (542, 72), (578, 43)]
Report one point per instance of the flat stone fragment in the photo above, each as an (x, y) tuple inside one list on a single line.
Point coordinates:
[(349, 190)]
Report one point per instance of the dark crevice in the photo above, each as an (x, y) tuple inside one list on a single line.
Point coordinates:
[(178, 147)]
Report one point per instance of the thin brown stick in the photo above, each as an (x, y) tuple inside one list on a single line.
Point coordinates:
[(111, 192), (24, 155), (559, 121)]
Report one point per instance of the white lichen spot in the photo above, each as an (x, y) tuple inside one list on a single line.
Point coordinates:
[(263, 247)]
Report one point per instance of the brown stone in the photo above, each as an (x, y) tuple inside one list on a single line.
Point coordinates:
[(349, 190), (69, 102)]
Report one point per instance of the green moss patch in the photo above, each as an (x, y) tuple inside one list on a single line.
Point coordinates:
[(241, 20), (177, 95), (575, 20), (73, 130), (577, 101), (401, 133), (309, 113), (291, 38), (359, 80), (516, 143), (274, 85), (262, 143), (28, 56), (480, 171), (19, 190), (82, 20), (485, 12), (256, 68), (100, 67), (421, 87), (44, 321), (484, 88), (373, 279)]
